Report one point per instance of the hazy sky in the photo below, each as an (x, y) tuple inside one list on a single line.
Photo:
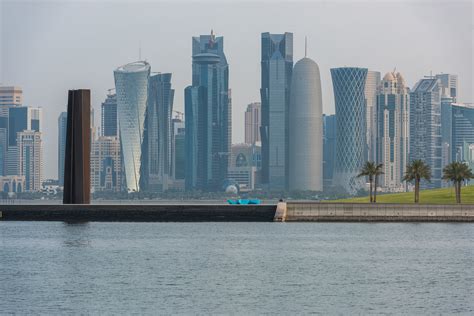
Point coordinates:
[(50, 47)]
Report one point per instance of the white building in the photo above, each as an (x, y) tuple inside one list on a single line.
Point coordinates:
[(11, 96), (30, 159), (393, 128), (245, 162), (306, 128)]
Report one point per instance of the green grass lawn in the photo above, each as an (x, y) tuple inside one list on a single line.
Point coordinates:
[(437, 196)]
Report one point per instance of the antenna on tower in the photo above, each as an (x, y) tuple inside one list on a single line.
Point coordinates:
[(305, 46), (140, 50)]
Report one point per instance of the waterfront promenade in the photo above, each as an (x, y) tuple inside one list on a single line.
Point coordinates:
[(293, 211)]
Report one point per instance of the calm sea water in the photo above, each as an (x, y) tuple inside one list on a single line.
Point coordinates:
[(236, 268)]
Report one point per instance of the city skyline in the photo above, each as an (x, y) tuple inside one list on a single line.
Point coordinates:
[(166, 58)]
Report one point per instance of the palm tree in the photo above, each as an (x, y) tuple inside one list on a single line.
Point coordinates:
[(377, 172), (368, 171), (417, 170), (371, 170), (457, 172)]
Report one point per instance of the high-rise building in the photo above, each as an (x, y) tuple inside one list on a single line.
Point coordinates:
[(30, 159), (462, 130), (62, 132), (20, 118), (208, 115), (17, 122), (105, 164), (35, 118), (178, 150), (306, 128), (393, 126), (156, 149), (449, 85), (449, 91), (253, 120), (3, 139), (329, 149), (276, 71), (109, 121), (446, 129), (349, 96), (11, 96), (131, 85), (425, 128), (372, 82)]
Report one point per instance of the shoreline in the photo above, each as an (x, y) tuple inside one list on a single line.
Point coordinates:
[(282, 212)]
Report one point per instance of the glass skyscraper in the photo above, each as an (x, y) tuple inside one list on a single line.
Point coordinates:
[(3, 139), (462, 129), (425, 128), (449, 91), (208, 115), (62, 130), (276, 71), (109, 122), (349, 95), (131, 85), (156, 148)]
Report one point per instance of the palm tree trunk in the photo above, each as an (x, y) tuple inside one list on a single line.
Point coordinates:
[(370, 190), (458, 198), (375, 190), (417, 190)]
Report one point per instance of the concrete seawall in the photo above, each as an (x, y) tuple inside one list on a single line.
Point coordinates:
[(358, 212), (138, 213), (291, 212)]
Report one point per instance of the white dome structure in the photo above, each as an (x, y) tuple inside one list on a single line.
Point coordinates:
[(306, 128)]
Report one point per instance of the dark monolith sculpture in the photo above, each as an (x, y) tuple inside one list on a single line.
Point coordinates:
[(77, 179)]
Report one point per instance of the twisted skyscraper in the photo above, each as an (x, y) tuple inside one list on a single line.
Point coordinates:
[(131, 84)]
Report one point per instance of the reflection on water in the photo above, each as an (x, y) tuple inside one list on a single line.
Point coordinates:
[(75, 234), (236, 268)]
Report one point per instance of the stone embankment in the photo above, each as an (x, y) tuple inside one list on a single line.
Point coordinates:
[(359, 212)]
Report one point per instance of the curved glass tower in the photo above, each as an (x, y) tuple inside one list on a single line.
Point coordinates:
[(131, 84), (349, 95)]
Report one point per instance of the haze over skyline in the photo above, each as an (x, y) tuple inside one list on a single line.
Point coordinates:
[(48, 48)]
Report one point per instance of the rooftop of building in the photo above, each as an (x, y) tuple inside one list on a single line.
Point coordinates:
[(137, 66)]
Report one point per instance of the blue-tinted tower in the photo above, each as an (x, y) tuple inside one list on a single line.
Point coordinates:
[(425, 128), (276, 75), (462, 129), (62, 130), (156, 147), (208, 116), (109, 121)]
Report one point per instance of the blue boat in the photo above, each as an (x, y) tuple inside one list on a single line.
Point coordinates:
[(243, 202)]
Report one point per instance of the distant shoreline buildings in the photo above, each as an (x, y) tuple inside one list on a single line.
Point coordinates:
[(290, 145)]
